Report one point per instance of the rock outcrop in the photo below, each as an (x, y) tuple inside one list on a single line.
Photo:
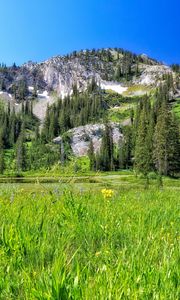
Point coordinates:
[(151, 75), (81, 136), (61, 73)]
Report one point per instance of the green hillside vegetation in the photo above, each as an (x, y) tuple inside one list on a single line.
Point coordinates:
[(176, 108), (138, 89), (150, 121)]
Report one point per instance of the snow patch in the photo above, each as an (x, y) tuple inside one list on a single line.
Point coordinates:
[(114, 86), (30, 88), (44, 95)]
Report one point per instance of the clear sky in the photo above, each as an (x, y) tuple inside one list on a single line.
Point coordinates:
[(38, 29)]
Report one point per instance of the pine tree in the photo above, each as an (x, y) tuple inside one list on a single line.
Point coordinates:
[(22, 90), (107, 149), (12, 130), (37, 134), (117, 74), (2, 163), (2, 85), (92, 156), (121, 156), (174, 147), (143, 150), (161, 141), (20, 152), (45, 131), (166, 143)]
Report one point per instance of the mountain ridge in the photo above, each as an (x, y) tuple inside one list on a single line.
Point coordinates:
[(112, 69), (80, 66), (98, 103)]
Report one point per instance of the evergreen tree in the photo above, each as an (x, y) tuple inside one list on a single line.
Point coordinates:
[(127, 148), (143, 150), (45, 131), (91, 155), (166, 143), (121, 155), (2, 163), (107, 150), (21, 152), (2, 85), (12, 136), (118, 73), (174, 147)]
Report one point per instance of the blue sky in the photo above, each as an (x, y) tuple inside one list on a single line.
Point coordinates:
[(38, 29)]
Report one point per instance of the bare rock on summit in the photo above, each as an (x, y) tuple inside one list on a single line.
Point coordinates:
[(61, 73), (151, 75), (81, 136)]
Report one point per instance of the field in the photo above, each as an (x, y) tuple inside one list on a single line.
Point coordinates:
[(104, 237)]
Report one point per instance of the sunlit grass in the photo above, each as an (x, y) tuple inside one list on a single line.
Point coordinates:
[(141, 89), (62, 242)]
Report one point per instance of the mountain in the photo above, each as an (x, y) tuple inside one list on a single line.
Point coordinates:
[(119, 108), (112, 69)]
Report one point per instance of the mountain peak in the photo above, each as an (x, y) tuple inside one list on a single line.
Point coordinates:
[(111, 68)]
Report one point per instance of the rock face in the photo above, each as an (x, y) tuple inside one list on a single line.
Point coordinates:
[(61, 73), (81, 136), (151, 75)]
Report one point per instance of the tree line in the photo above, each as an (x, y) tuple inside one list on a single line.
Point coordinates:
[(79, 109), (151, 143)]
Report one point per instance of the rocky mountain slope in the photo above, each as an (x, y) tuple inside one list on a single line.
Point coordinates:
[(81, 136), (110, 67), (113, 70)]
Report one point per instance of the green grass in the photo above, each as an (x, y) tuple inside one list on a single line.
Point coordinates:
[(120, 114), (137, 89), (120, 106), (176, 108), (65, 241)]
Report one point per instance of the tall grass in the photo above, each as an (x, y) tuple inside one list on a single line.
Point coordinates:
[(58, 244)]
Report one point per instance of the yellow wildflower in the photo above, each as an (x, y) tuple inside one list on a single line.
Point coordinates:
[(107, 193)]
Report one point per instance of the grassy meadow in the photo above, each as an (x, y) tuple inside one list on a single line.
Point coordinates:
[(104, 237)]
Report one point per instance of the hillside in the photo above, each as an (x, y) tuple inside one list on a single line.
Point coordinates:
[(79, 100), (112, 69)]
